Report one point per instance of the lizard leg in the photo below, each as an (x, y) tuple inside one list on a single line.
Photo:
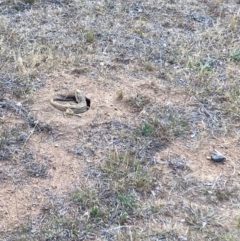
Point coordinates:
[(71, 112)]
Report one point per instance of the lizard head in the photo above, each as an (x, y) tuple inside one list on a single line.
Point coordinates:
[(79, 96)]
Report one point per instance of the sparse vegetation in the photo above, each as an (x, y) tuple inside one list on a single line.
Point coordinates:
[(89, 36), (85, 197), (149, 66), (120, 95), (142, 172), (29, 1), (235, 55), (126, 172), (146, 129), (94, 211), (238, 223), (126, 200), (165, 123), (122, 218), (137, 103)]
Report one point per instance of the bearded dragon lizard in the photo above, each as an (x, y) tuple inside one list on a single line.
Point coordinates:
[(74, 104)]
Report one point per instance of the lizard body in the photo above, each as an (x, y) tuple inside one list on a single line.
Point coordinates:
[(71, 104)]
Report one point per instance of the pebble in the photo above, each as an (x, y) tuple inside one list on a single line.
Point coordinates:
[(218, 157)]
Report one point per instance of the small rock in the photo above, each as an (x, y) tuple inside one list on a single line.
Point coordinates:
[(218, 157), (193, 135), (19, 104)]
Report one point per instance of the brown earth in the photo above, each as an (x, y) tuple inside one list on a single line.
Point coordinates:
[(23, 202)]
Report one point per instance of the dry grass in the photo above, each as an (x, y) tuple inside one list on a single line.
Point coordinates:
[(190, 46)]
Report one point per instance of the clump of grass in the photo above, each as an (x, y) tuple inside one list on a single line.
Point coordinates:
[(56, 225), (123, 217), (119, 164), (138, 102), (11, 141), (22, 85), (85, 197), (146, 129), (126, 172), (94, 211), (127, 200), (200, 65), (149, 66), (224, 98), (29, 1), (128, 234), (90, 36), (78, 196), (177, 124), (223, 195), (164, 123), (144, 180), (17, 8), (37, 170), (227, 237), (205, 65), (235, 55), (2, 138), (238, 223), (198, 217), (155, 208), (120, 95)]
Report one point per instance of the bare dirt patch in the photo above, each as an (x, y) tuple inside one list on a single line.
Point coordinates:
[(198, 157)]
